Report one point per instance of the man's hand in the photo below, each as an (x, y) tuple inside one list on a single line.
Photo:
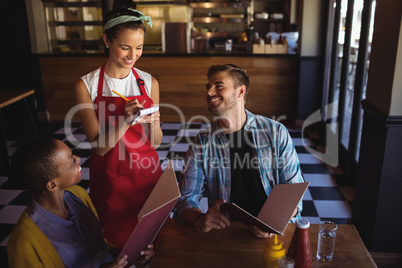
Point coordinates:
[(257, 231), (213, 219)]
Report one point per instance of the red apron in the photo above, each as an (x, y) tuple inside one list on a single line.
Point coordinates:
[(121, 180)]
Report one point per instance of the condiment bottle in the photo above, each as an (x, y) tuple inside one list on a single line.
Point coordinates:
[(280, 40), (273, 250), (268, 40), (256, 38), (299, 248)]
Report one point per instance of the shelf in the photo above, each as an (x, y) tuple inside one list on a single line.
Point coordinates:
[(271, 20), (213, 34), (220, 4), (73, 26), (53, 3), (80, 42), (272, 1), (217, 20), (221, 12), (279, 16), (76, 23)]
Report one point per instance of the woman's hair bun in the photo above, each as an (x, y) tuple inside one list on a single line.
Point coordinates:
[(124, 4), (120, 8)]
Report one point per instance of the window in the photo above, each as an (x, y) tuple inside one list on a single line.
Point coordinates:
[(350, 28)]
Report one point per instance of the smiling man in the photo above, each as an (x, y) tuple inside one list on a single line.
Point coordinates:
[(238, 159)]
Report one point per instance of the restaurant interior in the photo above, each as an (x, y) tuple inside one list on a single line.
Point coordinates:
[(329, 70)]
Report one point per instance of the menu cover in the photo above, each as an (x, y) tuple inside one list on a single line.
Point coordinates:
[(276, 212), (153, 214)]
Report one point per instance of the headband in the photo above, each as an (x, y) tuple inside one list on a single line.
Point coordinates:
[(126, 18)]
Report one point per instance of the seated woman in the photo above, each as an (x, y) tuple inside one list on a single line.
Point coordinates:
[(60, 226)]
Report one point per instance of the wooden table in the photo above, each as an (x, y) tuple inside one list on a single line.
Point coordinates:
[(179, 245), (8, 97)]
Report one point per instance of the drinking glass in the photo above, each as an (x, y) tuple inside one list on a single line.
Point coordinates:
[(326, 241), (285, 262)]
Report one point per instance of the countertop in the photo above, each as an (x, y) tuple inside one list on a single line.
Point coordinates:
[(159, 53)]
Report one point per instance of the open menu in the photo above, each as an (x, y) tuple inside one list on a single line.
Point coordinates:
[(276, 212), (153, 214)]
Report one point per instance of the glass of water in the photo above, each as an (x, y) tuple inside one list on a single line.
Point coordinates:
[(285, 262), (326, 241)]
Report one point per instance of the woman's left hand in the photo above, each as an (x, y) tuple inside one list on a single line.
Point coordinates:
[(151, 119)]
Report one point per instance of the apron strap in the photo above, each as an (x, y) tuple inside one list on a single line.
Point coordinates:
[(140, 83), (100, 83)]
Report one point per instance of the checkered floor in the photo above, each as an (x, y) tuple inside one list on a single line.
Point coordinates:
[(329, 195)]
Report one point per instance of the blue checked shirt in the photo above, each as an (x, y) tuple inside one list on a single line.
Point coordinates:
[(206, 170)]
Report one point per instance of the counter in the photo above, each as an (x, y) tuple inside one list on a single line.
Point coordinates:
[(182, 79)]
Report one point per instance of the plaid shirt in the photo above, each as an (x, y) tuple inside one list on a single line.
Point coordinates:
[(206, 171)]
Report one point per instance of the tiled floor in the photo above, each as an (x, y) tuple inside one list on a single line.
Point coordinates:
[(329, 195)]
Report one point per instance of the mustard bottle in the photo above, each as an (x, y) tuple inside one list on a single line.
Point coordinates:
[(273, 250)]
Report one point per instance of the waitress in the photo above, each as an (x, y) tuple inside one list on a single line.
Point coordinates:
[(124, 166)]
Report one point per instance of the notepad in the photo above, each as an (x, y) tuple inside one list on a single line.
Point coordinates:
[(143, 112), (153, 214), (276, 212)]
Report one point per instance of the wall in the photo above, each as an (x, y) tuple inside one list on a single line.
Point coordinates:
[(311, 70), (396, 98), (378, 201), (273, 83), (384, 52), (37, 26), (311, 21)]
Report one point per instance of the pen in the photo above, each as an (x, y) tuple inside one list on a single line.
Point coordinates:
[(121, 96)]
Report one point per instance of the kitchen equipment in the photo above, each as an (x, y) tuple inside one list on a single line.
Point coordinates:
[(176, 37), (201, 44)]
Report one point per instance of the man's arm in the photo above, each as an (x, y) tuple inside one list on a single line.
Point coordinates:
[(288, 170), (192, 184), (289, 166)]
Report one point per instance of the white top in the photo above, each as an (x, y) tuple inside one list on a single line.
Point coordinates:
[(127, 86)]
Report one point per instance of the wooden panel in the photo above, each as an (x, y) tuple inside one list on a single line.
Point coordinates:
[(273, 83), (59, 75)]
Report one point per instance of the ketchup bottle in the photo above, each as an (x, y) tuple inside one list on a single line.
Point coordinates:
[(299, 249)]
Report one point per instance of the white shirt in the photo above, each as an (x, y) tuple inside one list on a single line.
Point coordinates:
[(127, 86)]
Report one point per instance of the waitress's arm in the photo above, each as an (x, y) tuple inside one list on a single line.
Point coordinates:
[(155, 131), (101, 142)]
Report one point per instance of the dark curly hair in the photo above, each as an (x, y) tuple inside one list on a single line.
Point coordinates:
[(120, 8), (33, 164)]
